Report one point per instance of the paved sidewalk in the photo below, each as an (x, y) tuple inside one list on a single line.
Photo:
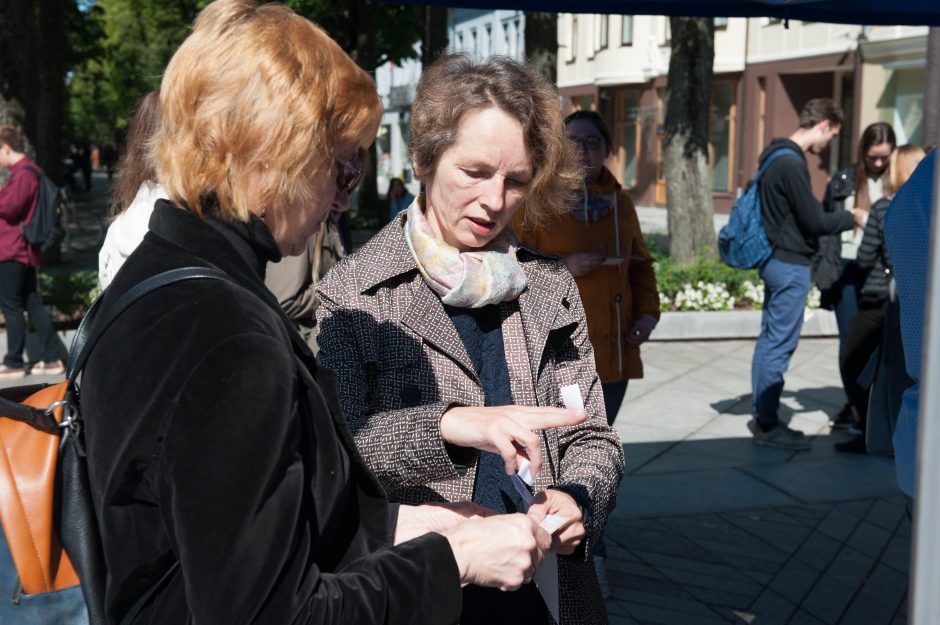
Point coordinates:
[(710, 528)]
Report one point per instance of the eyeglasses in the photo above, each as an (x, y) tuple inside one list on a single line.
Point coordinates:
[(590, 142), (349, 173)]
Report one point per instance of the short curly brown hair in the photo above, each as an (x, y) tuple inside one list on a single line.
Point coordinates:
[(455, 85)]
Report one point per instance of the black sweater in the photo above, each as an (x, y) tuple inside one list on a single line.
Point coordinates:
[(873, 254), (793, 217)]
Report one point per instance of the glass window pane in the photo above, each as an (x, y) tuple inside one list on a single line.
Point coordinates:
[(626, 35), (628, 141), (720, 134)]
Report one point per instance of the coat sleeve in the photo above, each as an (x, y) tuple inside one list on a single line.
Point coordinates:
[(591, 456), (235, 493), (404, 447), (641, 276)]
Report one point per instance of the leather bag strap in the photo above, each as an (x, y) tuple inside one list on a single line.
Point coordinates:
[(90, 329)]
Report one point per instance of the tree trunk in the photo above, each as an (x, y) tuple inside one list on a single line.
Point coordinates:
[(932, 88), (434, 38), (541, 42), (689, 203)]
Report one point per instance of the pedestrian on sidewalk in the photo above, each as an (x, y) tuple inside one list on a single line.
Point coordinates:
[(835, 267), (793, 220), (864, 334), (599, 240), (18, 264)]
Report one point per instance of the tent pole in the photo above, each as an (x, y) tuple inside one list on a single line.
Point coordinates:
[(925, 550)]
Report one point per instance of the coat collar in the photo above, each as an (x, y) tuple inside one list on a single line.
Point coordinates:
[(544, 306), (235, 250)]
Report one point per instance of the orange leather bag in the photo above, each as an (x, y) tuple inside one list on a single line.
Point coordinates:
[(28, 460)]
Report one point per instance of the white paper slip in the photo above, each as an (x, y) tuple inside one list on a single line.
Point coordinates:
[(524, 472), (546, 580), (551, 523), (571, 397)]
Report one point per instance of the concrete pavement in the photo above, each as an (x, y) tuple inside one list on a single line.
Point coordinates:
[(710, 528)]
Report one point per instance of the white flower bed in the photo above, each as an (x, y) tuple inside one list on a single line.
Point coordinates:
[(715, 297)]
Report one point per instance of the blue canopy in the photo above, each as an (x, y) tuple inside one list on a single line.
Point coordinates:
[(869, 12)]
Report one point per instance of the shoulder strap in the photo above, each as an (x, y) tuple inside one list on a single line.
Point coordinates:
[(90, 329), (771, 158)]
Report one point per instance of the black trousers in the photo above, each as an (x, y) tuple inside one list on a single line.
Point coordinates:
[(18, 295), (862, 339)]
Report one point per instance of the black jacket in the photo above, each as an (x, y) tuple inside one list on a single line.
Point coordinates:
[(873, 254), (793, 217), (216, 441)]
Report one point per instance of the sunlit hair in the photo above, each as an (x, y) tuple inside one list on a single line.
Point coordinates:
[(901, 165), (821, 109), (13, 137), (252, 105), (136, 165), (874, 134), (455, 86)]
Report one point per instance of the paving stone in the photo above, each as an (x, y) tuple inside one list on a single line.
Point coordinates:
[(869, 539), (621, 567), (724, 579), (839, 524), (851, 566), (886, 513), (897, 555), (685, 604), (772, 609), (802, 617), (652, 615), (829, 598), (794, 581), (818, 551), (720, 599), (785, 536)]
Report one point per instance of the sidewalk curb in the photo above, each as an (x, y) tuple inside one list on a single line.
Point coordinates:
[(741, 324)]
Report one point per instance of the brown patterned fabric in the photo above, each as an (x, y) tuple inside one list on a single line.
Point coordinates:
[(400, 363)]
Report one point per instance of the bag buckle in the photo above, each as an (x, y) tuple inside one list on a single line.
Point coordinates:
[(69, 414)]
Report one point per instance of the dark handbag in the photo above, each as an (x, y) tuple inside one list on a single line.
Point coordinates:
[(45, 499)]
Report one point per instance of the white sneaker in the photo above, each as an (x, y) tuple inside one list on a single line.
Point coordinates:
[(780, 437), (600, 568)]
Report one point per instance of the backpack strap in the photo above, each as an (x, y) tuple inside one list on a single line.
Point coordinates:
[(771, 158), (90, 329)]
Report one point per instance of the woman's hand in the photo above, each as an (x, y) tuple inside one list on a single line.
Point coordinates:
[(583, 263), (502, 551), (414, 521), (567, 537), (506, 430), (641, 330), (861, 217)]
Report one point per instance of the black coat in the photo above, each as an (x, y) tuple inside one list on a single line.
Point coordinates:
[(216, 441)]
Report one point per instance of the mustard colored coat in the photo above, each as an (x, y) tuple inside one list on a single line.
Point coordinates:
[(624, 291)]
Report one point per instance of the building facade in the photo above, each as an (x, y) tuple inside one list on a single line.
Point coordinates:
[(764, 72)]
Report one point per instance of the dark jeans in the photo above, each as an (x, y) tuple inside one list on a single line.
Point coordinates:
[(786, 286), (845, 294), (863, 338), (18, 295), (613, 397)]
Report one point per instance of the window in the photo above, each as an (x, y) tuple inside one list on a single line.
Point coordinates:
[(721, 23), (626, 30), (505, 38), (573, 39), (519, 50), (721, 135), (489, 39), (627, 135), (582, 102), (474, 42), (460, 47), (603, 31)]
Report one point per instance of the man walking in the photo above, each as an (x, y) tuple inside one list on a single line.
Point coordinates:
[(18, 263), (793, 220)]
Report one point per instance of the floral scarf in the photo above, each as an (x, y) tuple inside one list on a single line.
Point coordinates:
[(464, 279)]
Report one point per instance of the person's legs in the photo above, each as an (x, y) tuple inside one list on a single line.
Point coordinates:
[(860, 344), (39, 317), (786, 286), (846, 304), (12, 304), (613, 398)]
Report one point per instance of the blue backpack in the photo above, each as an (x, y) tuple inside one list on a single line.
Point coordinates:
[(742, 243)]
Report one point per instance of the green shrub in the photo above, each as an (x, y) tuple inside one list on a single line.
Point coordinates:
[(68, 294)]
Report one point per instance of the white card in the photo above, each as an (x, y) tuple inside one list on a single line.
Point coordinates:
[(571, 397), (551, 523)]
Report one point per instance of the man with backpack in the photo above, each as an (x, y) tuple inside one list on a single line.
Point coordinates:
[(793, 221), (18, 262)]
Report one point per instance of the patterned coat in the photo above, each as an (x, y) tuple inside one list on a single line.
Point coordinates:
[(400, 364)]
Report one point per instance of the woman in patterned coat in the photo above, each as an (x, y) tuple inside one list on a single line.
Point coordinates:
[(452, 345)]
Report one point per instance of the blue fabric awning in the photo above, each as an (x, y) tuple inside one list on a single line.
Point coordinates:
[(868, 12)]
